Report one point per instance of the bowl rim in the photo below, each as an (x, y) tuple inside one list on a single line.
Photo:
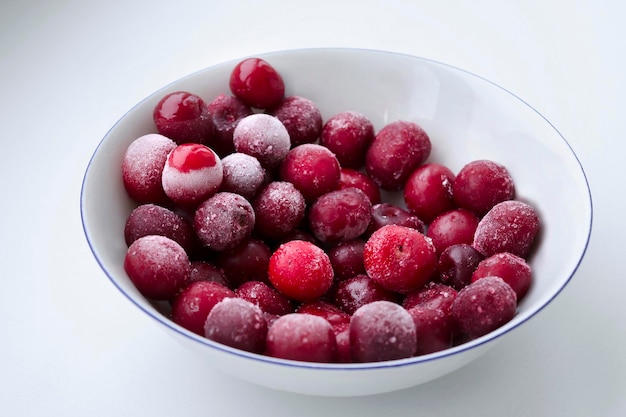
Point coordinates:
[(415, 360)]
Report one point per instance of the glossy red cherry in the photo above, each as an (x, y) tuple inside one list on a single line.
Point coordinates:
[(255, 82), (183, 117)]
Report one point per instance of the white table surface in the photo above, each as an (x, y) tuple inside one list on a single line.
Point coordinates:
[(70, 345)]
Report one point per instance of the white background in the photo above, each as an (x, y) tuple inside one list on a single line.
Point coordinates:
[(71, 345)]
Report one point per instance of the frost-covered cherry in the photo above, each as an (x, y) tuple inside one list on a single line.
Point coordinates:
[(257, 83), (433, 295), (300, 270), (224, 221), (264, 137), (279, 209), (384, 214), (142, 166), (225, 112), (481, 184), (511, 268), (399, 258), (192, 173), (243, 174), (357, 179), (347, 259), (428, 191), (348, 135), (510, 226), (206, 271), (183, 117), (483, 306), (301, 118), (192, 305), (434, 329), (151, 219), (457, 264), (340, 215), (245, 262), (396, 151), (267, 298), (382, 331), (302, 337), (237, 323), (312, 169), (358, 291), (451, 228), (157, 266)]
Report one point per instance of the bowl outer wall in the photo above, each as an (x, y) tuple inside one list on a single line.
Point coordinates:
[(466, 118)]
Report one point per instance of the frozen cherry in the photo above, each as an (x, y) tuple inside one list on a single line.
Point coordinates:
[(142, 166), (433, 295), (302, 337), (483, 306), (301, 118), (428, 191), (267, 298), (247, 261), (340, 215), (243, 174), (255, 82), (300, 270), (358, 291), (396, 151), (193, 304), (457, 263), (399, 258), (348, 135), (357, 179), (434, 329), (192, 173), (384, 214), (157, 266), (183, 117), (481, 184), (451, 228), (264, 137), (347, 259), (206, 271), (151, 219), (510, 226), (382, 331), (312, 169), (511, 268), (279, 209), (225, 113), (224, 221), (237, 323)]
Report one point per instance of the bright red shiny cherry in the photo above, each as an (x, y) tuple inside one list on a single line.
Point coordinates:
[(255, 82)]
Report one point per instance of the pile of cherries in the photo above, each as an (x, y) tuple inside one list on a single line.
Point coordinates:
[(262, 227)]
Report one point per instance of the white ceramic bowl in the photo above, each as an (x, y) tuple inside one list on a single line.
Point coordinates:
[(467, 118)]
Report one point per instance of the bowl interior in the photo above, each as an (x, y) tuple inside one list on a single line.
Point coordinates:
[(465, 116)]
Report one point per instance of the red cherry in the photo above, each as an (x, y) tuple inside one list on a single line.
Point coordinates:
[(257, 83), (190, 156), (183, 117)]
